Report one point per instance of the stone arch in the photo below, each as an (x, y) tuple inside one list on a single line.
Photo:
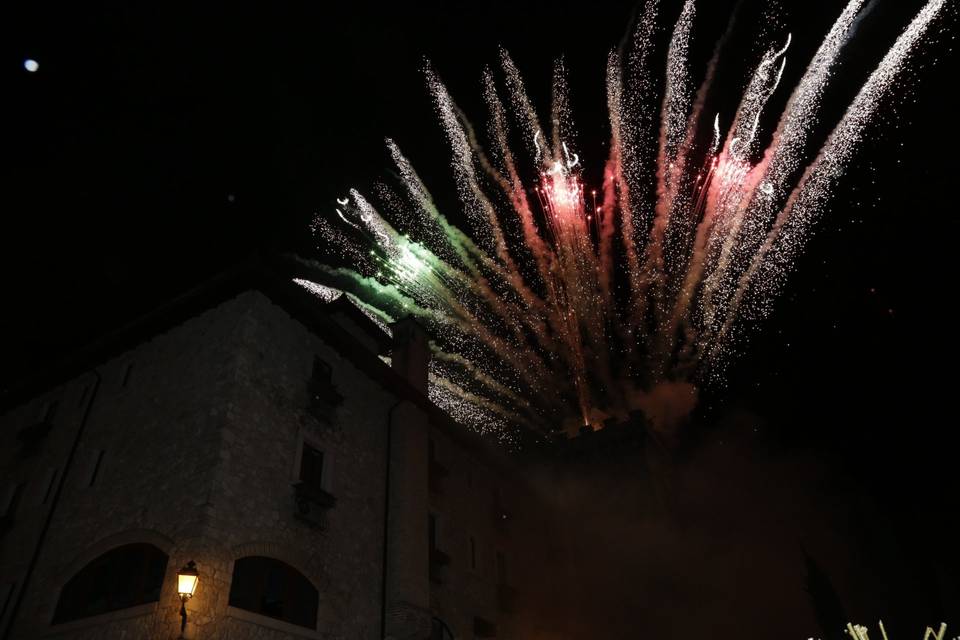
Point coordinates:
[(302, 562), (101, 546), (130, 536)]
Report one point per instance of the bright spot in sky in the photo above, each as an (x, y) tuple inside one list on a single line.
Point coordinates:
[(31, 65)]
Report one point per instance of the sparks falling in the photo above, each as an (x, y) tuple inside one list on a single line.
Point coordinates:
[(560, 303)]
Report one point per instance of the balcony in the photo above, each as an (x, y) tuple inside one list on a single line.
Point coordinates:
[(312, 503)]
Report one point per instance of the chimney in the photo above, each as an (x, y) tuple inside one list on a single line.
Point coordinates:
[(411, 352)]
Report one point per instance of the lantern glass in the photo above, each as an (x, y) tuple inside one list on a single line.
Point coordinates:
[(187, 580)]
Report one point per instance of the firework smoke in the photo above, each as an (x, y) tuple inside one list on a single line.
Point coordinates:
[(563, 304)]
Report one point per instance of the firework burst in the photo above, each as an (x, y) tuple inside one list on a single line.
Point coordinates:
[(561, 303)]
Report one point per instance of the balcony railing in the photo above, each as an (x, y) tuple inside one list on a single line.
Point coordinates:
[(308, 497)]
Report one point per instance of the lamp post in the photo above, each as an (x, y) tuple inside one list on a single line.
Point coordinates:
[(186, 585)]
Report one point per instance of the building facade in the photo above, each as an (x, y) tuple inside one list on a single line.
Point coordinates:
[(256, 431)]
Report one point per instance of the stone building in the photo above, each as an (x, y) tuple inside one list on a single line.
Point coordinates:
[(256, 431)]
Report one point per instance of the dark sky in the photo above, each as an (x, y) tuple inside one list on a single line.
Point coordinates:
[(159, 142)]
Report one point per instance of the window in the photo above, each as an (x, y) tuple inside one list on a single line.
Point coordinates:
[(311, 467), (274, 589), (122, 577), (310, 489), (324, 397)]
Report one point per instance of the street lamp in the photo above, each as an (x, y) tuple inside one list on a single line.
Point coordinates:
[(186, 585)]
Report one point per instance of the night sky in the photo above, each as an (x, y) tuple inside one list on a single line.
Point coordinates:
[(158, 143)]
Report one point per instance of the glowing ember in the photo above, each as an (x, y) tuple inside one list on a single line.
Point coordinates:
[(561, 304)]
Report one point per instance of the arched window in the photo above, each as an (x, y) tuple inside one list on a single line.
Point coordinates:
[(122, 577), (275, 589)]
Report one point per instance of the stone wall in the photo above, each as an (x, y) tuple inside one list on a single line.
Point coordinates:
[(193, 444), (201, 430)]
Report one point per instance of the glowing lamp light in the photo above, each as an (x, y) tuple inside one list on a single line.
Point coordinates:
[(31, 65), (186, 584), (187, 580)]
